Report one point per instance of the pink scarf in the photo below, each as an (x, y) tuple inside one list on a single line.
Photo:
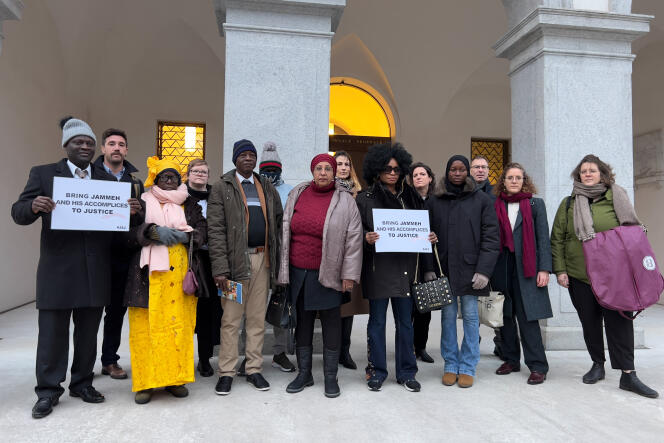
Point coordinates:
[(163, 208), (529, 255)]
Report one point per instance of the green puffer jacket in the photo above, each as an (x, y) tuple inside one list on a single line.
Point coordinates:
[(227, 228), (566, 249)]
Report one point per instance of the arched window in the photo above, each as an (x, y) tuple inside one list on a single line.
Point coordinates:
[(355, 111)]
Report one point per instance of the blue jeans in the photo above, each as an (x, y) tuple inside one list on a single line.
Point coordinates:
[(464, 360), (404, 350)]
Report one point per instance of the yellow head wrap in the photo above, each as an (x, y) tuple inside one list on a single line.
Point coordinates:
[(156, 165)]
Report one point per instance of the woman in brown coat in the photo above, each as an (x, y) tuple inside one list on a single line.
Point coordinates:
[(321, 257), (347, 178)]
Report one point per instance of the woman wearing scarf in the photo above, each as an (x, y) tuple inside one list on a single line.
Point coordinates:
[(465, 221), (161, 316), (522, 271), (208, 308), (321, 257), (347, 178), (597, 204)]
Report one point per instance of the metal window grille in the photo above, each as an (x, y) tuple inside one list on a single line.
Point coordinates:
[(181, 141), (496, 151)]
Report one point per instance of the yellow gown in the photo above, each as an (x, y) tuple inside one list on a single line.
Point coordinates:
[(161, 338)]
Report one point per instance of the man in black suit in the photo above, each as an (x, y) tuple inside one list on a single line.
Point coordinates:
[(114, 149), (73, 275)]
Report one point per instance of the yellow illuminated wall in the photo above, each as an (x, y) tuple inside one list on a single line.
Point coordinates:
[(356, 112)]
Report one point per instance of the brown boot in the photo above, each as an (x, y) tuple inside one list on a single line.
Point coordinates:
[(465, 381), (115, 371), (449, 378)]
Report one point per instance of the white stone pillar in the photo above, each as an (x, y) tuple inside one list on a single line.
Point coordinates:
[(9, 10), (278, 77), (570, 75)]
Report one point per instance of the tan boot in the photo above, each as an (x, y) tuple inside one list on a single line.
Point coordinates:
[(449, 378), (465, 381)]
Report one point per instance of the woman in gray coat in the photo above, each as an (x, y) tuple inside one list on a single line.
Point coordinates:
[(522, 271)]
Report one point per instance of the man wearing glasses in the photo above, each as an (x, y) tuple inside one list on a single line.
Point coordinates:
[(479, 170)]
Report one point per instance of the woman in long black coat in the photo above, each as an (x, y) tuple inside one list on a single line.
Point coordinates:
[(522, 271), (386, 276), (465, 222)]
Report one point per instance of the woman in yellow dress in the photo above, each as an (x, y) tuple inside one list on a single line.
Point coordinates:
[(161, 316)]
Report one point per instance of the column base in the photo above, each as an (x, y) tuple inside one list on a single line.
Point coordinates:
[(570, 338)]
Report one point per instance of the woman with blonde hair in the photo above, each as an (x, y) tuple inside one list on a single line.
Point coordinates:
[(347, 177)]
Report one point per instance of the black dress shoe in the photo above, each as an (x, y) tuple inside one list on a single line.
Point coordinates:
[(595, 374), (43, 407), (423, 355), (630, 382), (346, 360), (88, 395), (204, 368)]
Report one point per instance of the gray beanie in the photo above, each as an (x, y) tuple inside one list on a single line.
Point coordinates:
[(270, 157), (75, 127)]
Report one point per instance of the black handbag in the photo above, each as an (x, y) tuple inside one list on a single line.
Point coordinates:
[(280, 313), (432, 295)]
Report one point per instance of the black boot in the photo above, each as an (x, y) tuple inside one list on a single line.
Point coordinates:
[(595, 374), (630, 382), (345, 359), (330, 368), (304, 378)]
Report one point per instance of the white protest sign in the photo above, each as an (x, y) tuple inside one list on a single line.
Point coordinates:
[(90, 205), (401, 230)]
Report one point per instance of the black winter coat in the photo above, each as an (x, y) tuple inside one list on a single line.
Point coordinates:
[(74, 269), (121, 255), (137, 290), (386, 274), (468, 238)]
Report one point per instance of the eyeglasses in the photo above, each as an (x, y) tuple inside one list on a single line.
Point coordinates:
[(198, 172), (479, 167), (168, 178), (390, 169)]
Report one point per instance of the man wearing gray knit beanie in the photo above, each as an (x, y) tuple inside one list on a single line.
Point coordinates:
[(73, 275)]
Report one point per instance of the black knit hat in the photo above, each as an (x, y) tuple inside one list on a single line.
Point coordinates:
[(241, 146)]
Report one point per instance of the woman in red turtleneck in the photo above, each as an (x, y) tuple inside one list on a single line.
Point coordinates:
[(321, 257)]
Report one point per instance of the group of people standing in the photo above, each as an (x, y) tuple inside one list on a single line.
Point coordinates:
[(317, 243)]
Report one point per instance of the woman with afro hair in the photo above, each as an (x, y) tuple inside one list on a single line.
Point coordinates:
[(387, 276)]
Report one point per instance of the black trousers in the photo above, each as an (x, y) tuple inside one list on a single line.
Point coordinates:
[(114, 318), (208, 313), (330, 320), (53, 349), (619, 330), (420, 329), (531, 335)]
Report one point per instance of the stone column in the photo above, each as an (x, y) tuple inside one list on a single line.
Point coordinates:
[(9, 10), (570, 75), (278, 76)]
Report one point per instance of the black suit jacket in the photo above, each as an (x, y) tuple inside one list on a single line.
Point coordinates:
[(74, 268)]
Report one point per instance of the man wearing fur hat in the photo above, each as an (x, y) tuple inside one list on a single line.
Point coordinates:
[(244, 223), (73, 275)]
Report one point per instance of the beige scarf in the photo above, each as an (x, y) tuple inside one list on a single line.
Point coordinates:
[(163, 208), (583, 219)]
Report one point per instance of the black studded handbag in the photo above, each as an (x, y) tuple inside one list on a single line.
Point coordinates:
[(431, 295)]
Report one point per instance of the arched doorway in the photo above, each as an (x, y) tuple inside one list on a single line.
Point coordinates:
[(359, 118)]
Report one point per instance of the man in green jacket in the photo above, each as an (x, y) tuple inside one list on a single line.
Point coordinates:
[(244, 222)]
